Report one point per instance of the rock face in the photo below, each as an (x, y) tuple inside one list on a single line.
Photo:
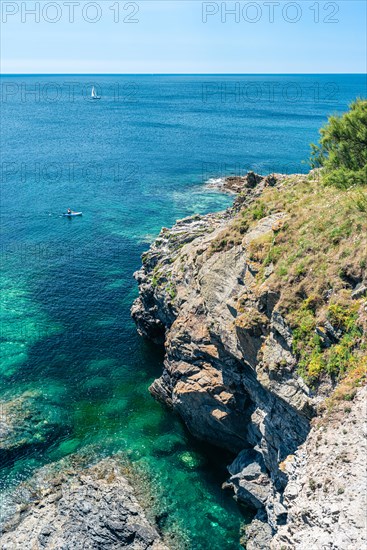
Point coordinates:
[(326, 493), (87, 509), (229, 368), (229, 365), (236, 184)]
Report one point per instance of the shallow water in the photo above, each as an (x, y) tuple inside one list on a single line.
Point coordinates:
[(132, 164)]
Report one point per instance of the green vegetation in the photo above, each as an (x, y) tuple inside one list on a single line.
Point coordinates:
[(170, 288), (317, 354), (312, 255), (259, 211), (317, 252), (342, 152), (155, 278), (161, 278), (347, 388)]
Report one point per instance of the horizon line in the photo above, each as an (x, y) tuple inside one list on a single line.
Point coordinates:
[(180, 74)]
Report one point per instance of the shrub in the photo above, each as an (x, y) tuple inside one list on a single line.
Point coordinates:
[(343, 148), (259, 211), (314, 359)]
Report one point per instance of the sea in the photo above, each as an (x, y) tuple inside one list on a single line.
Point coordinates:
[(134, 160)]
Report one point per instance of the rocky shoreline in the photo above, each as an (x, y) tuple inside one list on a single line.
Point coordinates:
[(231, 373), (230, 367), (79, 507)]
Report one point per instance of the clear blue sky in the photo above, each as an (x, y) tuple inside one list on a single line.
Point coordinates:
[(171, 37)]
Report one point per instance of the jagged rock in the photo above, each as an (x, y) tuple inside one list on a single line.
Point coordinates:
[(249, 478), (325, 340), (271, 180), (258, 535), (360, 290), (281, 328), (325, 497), (253, 179), (234, 183), (333, 334), (237, 184), (230, 369), (85, 509), (248, 464)]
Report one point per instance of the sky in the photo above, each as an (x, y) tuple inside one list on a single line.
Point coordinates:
[(183, 36)]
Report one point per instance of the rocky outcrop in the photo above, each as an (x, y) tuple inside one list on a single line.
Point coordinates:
[(81, 509), (236, 184), (229, 369), (326, 494)]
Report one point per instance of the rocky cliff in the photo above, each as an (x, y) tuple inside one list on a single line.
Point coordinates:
[(326, 492), (211, 290)]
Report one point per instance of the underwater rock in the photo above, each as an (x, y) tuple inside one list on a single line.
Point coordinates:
[(29, 419)]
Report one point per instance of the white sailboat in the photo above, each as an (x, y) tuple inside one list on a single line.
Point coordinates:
[(94, 94)]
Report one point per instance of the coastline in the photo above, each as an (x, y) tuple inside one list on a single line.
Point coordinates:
[(230, 369), (230, 372), (77, 504)]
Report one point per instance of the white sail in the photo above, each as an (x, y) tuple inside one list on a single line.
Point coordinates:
[(94, 94)]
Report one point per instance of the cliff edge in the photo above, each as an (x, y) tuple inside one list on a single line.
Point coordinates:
[(262, 312)]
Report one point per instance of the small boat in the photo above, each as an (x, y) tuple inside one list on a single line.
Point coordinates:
[(94, 94), (72, 214)]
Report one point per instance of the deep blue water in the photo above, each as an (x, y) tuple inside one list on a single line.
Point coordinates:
[(133, 161)]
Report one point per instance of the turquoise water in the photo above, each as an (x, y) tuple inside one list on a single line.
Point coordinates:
[(132, 162)]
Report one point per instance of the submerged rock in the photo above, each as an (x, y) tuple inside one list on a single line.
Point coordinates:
[(82, 509), (29, 419)]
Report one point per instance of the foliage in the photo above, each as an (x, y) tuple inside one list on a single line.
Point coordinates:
[(354, 378), (317, 254), (342, 152), (317, 358), (259, 211)]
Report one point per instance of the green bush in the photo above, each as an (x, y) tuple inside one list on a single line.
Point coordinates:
[(259, 211), (342, 152), (313, 358)]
